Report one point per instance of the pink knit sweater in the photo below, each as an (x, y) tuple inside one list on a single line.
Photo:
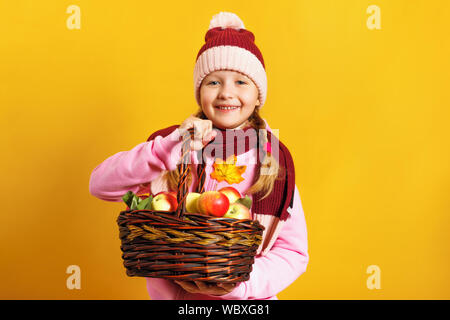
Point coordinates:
[(140, 170)]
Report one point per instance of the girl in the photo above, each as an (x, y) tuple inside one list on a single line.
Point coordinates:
[(230, 88)]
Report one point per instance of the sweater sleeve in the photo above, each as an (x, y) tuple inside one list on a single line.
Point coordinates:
[(282, 265), (130, 170)]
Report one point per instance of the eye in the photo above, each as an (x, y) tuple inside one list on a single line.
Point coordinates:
[(238, 81)]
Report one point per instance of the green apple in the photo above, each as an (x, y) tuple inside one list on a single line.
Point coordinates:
[(164, 201), (238, 211), (192, 201)]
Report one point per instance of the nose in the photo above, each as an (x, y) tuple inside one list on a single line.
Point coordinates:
[(226, 91)]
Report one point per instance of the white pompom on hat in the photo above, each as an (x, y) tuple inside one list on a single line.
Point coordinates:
[(226, 20), (228, 45)]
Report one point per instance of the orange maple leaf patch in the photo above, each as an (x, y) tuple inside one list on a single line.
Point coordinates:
[(228, 170)]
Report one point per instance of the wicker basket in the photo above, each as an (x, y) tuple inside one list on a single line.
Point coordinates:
[(188, 246)]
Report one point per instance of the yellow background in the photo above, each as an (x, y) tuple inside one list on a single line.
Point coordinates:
[(364, 113)]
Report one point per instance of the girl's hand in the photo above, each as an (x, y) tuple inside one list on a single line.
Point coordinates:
[(203, 132), (205, 288)]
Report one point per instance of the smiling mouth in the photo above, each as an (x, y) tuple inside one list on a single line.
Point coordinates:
[(226, 108)]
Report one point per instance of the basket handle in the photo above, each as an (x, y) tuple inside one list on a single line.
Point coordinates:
[(184, 170)]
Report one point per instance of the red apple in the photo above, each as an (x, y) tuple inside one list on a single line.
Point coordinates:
[(173, 193), (231, 193), (164, 201), (213, 203), (238, 211)]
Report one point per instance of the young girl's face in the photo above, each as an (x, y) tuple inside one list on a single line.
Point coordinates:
[(228, 88)]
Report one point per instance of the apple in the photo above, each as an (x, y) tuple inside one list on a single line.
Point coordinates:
[(173, 193), (238, 211), (246, 201), (192, 201), (213, 203), (164, 201), (231, 193)]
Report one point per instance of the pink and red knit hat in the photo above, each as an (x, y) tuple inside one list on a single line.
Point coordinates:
[(229, 46)]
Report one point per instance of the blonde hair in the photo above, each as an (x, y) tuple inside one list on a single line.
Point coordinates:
[(264, 183)]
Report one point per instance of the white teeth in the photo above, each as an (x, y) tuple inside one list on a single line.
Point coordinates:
[(227, 108)]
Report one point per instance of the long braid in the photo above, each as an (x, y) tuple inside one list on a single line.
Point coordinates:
[(264, 182)]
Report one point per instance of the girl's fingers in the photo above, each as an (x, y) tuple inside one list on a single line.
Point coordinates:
[(213, 289), (196, 145), (201, 285), (197, 130), (203, 133), (188, 286), (227, 286), (208, 138), (210, 135)]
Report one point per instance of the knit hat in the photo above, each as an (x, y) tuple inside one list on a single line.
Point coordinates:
[(229, 46)]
